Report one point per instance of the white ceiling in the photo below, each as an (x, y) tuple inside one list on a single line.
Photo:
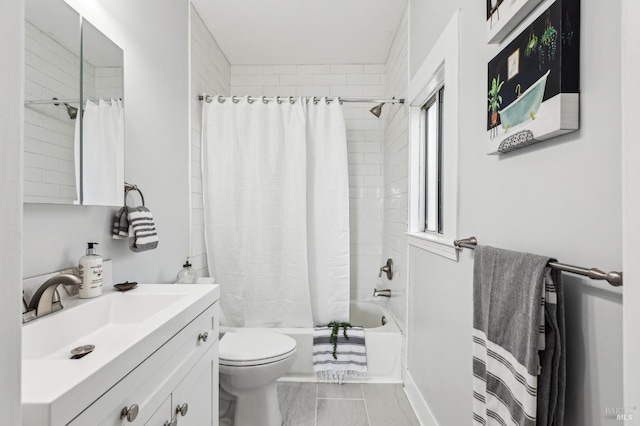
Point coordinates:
[(263, 32)]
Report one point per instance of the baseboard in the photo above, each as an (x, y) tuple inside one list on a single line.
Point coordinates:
[(419, 405)]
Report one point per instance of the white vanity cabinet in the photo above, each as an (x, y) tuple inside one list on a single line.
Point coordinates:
[(176, 385)]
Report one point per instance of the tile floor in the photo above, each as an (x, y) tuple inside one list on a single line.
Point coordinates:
[(312, 404)]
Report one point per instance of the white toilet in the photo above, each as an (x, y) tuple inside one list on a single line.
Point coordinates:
[(250, 364)]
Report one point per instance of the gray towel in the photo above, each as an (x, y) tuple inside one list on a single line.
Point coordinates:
[(120, 230), (142, 229), (514, 383)]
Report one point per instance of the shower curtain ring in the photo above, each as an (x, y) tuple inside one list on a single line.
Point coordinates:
[(278, 100), (234, 100), (264, 100), (220, 99), (249, 100)]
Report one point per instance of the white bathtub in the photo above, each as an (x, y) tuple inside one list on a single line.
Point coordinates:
[(383, 342)]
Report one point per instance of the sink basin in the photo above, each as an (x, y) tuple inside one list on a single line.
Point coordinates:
[(100, 322), (126, 328)]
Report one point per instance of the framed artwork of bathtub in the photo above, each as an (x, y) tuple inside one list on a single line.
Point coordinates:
[(504, 15), (534, 82)]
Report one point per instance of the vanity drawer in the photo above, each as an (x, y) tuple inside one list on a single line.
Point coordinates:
[(149, 384)]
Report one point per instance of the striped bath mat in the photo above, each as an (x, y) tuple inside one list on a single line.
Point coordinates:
[(350, 362)]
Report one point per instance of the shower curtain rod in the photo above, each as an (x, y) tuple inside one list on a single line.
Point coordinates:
[(614, 278), (209, 98), (53, 101), (59, 101)]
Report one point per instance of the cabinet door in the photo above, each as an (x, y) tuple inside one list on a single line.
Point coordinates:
[(162, 415), (196, 390)]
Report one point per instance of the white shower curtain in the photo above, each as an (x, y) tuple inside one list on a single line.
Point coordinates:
[(276, 208), (103, 153)]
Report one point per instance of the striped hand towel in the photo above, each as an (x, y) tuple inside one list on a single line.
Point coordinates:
[(518, 376), (142, 229), (351, 362), (120, 230)]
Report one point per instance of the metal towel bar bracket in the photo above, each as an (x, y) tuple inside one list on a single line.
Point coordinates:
[(614, 278), (129, 187)]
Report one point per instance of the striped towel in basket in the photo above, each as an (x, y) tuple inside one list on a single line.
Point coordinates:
[(351, 362)]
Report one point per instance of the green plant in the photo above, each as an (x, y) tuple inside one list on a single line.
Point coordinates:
[(532, 44), (549, 35), (494, 98), (335, 328), (548, 41)]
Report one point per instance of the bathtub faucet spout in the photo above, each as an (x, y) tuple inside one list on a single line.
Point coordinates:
[(383, 293)]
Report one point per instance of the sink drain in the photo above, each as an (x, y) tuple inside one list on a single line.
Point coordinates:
[(80, 351)]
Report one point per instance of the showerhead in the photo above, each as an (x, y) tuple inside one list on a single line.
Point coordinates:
[(377, 110), (72, 111)]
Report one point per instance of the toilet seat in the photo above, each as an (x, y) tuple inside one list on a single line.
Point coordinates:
[(246, 349)]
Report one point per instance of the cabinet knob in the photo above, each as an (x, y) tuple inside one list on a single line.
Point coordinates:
[(130, 413), (203, 336), (173, 422), (182, 409)]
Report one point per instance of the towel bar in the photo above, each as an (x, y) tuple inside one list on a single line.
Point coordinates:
[(614, 278)]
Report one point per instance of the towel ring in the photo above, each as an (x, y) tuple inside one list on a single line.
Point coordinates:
[(127, 188)]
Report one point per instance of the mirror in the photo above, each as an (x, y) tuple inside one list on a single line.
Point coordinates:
[(52, 55), (72, 157), (103, 120)]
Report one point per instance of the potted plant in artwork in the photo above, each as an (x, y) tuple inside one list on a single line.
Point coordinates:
[(532, 44), (495, 99)]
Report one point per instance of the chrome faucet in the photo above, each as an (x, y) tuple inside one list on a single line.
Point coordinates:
[(383, 293), (46, 299)]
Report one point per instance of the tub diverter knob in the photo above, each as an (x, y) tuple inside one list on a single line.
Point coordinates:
[(387, 269)]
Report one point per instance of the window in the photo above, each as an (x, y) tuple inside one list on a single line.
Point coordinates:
[(431, 120), (433, 147)]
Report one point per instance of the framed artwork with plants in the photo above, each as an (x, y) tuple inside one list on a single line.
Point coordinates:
[(503, 16), (533, 84)]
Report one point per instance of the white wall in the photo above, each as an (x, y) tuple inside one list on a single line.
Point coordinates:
[(560, 198), (154, 37), (210, 73), (631, 205), (11, 145), (395, 170), (364, 138), (108, 82)]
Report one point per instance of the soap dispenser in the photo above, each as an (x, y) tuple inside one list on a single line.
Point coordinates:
[(90, 266), (187, 275)]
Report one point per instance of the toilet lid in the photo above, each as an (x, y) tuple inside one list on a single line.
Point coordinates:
[(255, 348)]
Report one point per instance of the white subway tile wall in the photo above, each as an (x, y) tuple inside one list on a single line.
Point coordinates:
[(396, 138), (51, 71), (210, 73), (365, 134)]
